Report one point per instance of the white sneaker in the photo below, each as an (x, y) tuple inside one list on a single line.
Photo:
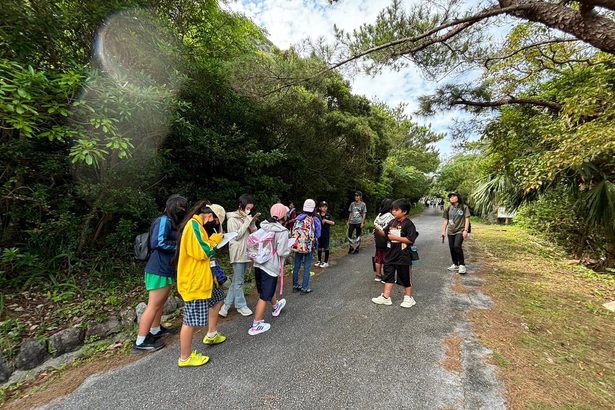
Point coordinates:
[(462, 269), (224, 310), (244, 311), (378, 278), (408, 302), (381, 300), (261, 327), (278, 308), (318, 264), (324, 265), (453, 267)]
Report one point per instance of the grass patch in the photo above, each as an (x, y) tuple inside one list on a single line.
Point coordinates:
[(552, 339)]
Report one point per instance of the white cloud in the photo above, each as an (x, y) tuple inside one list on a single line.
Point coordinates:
[(289, 22)]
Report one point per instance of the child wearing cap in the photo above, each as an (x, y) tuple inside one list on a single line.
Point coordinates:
[(326, 220), (267, 273), (305, 221), (196, 283)]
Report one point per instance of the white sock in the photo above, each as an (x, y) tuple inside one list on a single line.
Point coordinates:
[(212, 334), (154, 330), (140, 339)]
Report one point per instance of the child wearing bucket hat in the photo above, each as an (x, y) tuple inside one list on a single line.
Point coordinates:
[(196, 283)]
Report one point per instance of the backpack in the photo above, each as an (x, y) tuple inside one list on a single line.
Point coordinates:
[(142, 250), (303, 233), (260, 246)]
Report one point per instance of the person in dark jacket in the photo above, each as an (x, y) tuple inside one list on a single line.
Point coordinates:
[(160, 273)]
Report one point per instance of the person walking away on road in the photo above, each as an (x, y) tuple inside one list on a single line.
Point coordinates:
[(382, 220), (160, 273), (305, 233), (401, 234), (197, 285), (267, 273), (326, 220), (242, 222), (455, 225), (357, 211)]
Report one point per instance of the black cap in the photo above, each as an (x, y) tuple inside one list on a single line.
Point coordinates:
[(453, 194), (358, 193)]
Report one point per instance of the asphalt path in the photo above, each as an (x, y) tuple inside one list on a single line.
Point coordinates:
[(332, 348)]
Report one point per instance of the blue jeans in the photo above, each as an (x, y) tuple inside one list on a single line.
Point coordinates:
[(235, 292), (307, 267)]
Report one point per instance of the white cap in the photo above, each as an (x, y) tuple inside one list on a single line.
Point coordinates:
[(309, 205)]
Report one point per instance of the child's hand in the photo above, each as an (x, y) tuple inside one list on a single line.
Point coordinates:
[(216, 238)]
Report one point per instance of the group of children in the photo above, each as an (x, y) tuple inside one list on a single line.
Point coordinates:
[(183, 247)]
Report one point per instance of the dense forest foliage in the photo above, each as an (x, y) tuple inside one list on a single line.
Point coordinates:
[(108, 107)]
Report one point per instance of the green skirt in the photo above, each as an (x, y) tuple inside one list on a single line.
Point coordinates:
[(153, 282)]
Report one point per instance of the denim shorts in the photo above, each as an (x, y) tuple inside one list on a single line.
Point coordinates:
[(196, 312)]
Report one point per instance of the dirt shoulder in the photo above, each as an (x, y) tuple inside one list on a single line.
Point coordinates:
[(552, 339)]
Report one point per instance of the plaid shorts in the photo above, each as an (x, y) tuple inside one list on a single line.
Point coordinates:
[(196, 312)]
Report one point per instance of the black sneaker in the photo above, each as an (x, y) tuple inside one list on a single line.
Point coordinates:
[(296, 289), (349, 251), (356, 250), (150, 344), (163, 332), (306, 291)]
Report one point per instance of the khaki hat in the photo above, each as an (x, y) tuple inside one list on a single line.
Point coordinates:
[(219, 211)]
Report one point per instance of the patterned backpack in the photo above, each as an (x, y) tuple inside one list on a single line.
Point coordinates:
[(303, 233)]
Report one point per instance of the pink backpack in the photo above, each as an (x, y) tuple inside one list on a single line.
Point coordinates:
[(260, 246)]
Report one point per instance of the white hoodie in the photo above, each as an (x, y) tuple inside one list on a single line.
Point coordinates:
[(272, 266), (244, 225)]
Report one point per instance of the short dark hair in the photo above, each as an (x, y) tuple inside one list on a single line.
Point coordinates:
[(244, 200), (401, 204), (386, 205)]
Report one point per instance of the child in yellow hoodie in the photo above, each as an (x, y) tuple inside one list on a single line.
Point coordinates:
[(197, 285)]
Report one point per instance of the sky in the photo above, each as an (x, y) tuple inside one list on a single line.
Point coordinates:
[(288, 22)]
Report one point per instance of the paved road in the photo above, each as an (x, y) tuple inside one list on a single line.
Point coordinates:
[(333, 348)]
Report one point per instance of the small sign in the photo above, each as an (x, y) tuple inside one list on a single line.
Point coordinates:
[(610, 306), (503, 214)]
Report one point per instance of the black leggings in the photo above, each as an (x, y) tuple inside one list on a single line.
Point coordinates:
[(454, 244), (356, 228), (326, 255)]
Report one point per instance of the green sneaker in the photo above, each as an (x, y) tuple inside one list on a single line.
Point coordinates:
[(217, 339), (195, 359)]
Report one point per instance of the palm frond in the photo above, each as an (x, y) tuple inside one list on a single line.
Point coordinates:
[(600, 204)]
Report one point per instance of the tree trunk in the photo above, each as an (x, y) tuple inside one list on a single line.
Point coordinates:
[(590, 28)]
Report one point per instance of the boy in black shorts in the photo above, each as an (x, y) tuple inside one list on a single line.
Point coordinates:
[(401, 234)]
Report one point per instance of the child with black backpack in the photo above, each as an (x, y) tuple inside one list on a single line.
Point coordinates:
[(305, 233), (268, 247), (160, 273)]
